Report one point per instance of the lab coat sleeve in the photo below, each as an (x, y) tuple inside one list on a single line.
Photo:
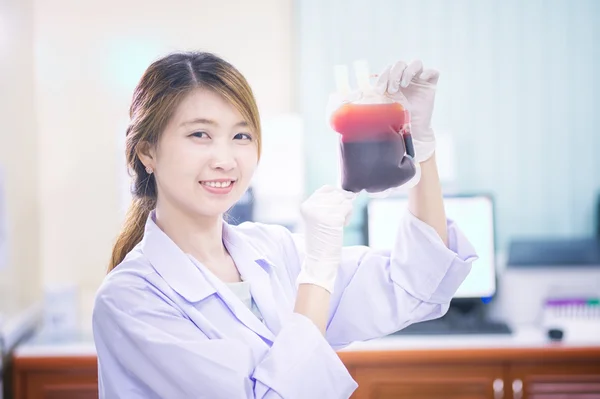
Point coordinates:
[(148, 349), (380, 292)]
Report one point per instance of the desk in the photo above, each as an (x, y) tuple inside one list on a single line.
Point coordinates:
[(17, 321), (48, 367), (523, 365)]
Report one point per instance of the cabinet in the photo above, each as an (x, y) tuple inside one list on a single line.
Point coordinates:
[(468, 381), (64, 377), (513, 373), (544, 372), (555, 380)]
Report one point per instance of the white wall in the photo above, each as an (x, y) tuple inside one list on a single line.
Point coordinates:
[(88, 58), (19, 279)]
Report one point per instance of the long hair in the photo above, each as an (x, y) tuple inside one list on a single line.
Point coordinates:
[(161, 89)]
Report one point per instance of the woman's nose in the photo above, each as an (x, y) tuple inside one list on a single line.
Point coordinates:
[(223, 158)]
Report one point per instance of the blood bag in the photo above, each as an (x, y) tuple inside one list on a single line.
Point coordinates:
[(376, 149)]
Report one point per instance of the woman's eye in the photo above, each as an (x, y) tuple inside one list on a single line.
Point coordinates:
[(243, 136), (199, 134)]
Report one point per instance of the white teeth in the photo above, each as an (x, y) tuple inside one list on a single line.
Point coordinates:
[(217, 184)]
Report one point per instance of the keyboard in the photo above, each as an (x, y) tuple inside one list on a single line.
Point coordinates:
[(444, 327)]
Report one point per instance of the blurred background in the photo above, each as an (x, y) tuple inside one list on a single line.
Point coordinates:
[(516, 117)]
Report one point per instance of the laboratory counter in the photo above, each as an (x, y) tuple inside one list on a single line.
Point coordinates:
[(525, 364), (18, 320)]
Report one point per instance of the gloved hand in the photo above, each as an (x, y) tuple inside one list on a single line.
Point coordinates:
[(325, 214), (417, 86)]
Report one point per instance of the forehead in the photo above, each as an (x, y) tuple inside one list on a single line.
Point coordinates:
[(206, 104)]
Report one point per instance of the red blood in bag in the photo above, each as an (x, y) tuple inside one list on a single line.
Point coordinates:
[(374, 147), (358, 122)]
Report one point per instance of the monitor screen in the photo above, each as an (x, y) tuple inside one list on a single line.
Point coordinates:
[(475, 217)]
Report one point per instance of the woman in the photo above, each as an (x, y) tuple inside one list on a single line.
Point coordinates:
[(196, 308)]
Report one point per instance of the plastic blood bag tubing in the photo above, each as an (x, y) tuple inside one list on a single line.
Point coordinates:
[(375, 141)]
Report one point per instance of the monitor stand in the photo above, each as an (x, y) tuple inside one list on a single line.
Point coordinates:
[(465, 316)]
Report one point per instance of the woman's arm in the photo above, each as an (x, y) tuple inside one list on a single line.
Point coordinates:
[(312, 301), (425, 200), (379, 292)]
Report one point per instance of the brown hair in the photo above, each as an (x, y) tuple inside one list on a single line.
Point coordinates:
[(162, 87)]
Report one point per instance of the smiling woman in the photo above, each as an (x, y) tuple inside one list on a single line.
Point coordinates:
[(195, 307), (192, 144)]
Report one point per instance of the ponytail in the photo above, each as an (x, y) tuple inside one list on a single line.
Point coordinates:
[(133, 229)]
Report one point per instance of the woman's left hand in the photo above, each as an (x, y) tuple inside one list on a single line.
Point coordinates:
[(417, 86)]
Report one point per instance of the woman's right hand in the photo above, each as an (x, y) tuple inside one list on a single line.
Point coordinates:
[(325, 214)]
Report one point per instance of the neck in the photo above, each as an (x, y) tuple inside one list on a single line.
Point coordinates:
[(199, 236)]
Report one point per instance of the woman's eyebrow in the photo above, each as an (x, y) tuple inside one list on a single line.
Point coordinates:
[(200, 121), (211, 122)]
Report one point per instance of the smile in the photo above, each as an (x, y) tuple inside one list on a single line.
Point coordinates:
[(219, 187), (217, 184)]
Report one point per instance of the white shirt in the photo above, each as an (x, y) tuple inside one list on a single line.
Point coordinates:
[(242, 291)]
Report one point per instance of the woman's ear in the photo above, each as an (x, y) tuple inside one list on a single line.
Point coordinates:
[(147, 154)]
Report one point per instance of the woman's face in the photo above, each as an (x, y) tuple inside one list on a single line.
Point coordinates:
[(206, 156)]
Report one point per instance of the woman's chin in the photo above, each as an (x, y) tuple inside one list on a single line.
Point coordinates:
[(214, 207)]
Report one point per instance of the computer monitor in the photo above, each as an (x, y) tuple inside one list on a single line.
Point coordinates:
[(474, 214)]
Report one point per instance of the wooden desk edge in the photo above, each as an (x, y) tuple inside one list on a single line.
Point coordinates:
[(379, 357), (54, 362), (382, 357)]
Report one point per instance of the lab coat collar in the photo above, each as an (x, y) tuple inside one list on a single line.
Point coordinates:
[(194, 282), (255, 268), (173, 265)]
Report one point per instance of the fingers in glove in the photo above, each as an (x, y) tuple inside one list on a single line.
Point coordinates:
[(346, 209), (325, 189), (349, 195), (328, 196), (395, 77), (381, 85), (414, 69), (430, 76)]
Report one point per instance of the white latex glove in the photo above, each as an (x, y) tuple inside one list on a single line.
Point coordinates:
[(418, 87), (325, 214)]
